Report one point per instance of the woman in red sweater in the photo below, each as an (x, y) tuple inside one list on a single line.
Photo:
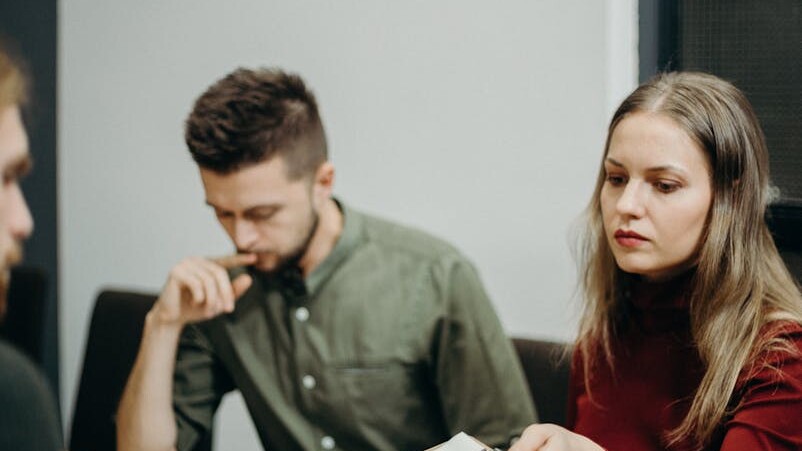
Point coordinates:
[(691, 336)]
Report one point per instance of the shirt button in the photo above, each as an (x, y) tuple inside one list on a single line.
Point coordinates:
[(309, 381), (302, 314), (327, 442)]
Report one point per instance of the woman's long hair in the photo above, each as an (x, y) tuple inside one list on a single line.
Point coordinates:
[(741, 283)]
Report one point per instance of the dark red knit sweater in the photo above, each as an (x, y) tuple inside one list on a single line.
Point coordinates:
[(656, 372)]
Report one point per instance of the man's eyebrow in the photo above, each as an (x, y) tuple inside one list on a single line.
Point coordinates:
[(249, 209), (267, 208)]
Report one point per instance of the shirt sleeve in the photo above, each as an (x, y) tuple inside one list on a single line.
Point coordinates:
[(769, 416), (199, 384), (479, 377)]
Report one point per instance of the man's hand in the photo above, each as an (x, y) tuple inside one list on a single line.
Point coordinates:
[(198, 289), (550, 437)]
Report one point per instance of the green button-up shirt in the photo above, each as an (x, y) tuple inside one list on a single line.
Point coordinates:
[(390, 344)]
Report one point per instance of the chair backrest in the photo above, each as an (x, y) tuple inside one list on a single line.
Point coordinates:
[(546, 366), (111, 347), (785, 222)]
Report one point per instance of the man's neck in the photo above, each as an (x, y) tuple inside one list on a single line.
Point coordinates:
[(329, 228)]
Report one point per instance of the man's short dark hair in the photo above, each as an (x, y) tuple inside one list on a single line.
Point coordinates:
[(250, 116), (13, 78)]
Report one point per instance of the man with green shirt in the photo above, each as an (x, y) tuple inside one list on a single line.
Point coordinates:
[(341, 330)]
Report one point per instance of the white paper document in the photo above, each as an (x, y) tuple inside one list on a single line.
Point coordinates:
[(461, 442)]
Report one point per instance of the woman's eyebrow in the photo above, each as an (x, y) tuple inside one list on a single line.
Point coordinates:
[(661, 168)]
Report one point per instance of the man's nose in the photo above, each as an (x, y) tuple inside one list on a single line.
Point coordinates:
[(245, 234), (20, 219)]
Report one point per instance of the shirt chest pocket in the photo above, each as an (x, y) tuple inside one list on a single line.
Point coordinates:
[(389, 398)]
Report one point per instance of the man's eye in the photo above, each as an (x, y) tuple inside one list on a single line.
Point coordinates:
[(260, 217), (10, 178)]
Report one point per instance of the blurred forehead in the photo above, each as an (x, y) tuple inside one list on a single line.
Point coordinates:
[(13, 140)]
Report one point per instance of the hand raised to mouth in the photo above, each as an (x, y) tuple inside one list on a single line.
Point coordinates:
[(199, 288)]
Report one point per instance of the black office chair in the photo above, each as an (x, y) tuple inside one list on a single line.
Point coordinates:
[(111, 347), (785, 222), (24, 323), (546, 366)]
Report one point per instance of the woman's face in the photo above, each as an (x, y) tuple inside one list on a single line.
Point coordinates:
[(656, 196)]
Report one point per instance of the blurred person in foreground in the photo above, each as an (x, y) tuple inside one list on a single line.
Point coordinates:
[(28, 415), (350, 332), (691, 336)]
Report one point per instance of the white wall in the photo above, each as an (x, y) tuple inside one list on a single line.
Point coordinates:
[(481, 122)]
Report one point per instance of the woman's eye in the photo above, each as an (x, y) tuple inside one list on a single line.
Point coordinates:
[(666, 187), (616, 179)]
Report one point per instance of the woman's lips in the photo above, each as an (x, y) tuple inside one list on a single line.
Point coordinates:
[(628, 238)]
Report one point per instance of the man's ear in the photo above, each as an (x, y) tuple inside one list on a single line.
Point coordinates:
[(324, 181)]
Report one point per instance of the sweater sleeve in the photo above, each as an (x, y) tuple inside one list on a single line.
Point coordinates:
[(575, 386), (769, 415)]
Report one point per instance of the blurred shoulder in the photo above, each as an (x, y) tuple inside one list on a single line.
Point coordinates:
[(15, 365), (28, 412)]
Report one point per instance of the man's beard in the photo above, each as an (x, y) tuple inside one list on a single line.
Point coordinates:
[(294, 259), (4, 278), (291, 260), (11, 257)]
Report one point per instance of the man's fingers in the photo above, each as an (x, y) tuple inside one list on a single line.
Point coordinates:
[(205, 284), (241, 284), (187, 281), (207, 277), (222, 283), (232, 261)]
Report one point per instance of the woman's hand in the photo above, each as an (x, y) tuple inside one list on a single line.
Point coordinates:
[(550, 437)]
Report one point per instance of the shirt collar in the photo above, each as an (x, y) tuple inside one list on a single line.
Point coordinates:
[(349, 239), (291, 283)]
